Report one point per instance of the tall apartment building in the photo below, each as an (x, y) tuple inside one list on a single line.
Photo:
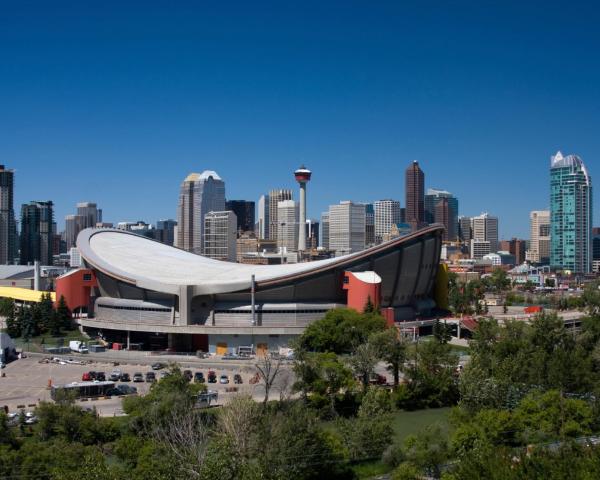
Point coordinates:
[(539, 239), (244, 211), (220, 235), (325, 230), (485, 228), (570, 214), (442, 207), (415, 195), (288, 228), (200, 193), (8, 226), (37, 233), (263, 217), (165, 231), (276, 196), (387, 214), (347, 227)]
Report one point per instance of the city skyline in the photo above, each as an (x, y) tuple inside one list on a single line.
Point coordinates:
[(257, 94)]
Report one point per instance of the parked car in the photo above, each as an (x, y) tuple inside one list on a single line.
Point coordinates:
[(125, 377), (101, 376), (199, 377), (237, 378), (231, 356), (150, 377), (138, 377), (114, 392), (115, 375), (164, 373), (224, 379), (93, 375), (188, 375), (212, 377), (158, 366), (86, 377), (126, 389)]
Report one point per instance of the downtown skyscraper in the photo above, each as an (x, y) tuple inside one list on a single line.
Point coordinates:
[(570, 214), (415, 196), (8, 228), (200, 194), (37, 233), (442, 207)]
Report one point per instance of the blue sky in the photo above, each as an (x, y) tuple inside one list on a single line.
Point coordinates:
[(116, 102)]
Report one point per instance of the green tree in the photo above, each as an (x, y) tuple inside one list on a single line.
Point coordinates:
[(391, 348), (369, 306), (363, 362), (64, 314), (340, 331), (13, 324), (45, 308), (7, 305)]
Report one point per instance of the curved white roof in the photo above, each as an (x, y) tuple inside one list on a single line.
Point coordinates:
[(196, 177), (156, 266)]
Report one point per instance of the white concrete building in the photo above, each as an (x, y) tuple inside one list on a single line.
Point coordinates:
[(480, 248), (485, 229), (220, 235), (288, 226), (347, 227), (387, 213)]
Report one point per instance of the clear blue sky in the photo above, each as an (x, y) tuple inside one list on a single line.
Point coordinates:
[(116, 102)]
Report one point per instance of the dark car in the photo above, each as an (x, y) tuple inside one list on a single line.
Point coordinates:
[(158, 366), (188, 375), (93, 375), (125, 377), (126, 389), (150, 377), (199, 377), (114, 392), (237, 378), (212, 377), (138, 377), (101, 376)]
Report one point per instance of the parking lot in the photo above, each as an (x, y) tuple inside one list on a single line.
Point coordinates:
[(25, 382)]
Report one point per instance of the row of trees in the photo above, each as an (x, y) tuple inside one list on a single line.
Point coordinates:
[(41, 318)]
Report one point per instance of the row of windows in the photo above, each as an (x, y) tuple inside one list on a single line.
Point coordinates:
[(249, 312), (143, 309)]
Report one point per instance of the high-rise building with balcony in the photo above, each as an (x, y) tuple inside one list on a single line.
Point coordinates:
[(200, 193), (37, 233), (415, 195), (570, 214), (387, 214), (90, 212), (8, 227)]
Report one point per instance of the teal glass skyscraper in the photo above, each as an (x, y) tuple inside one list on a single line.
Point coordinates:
[(570, 214)]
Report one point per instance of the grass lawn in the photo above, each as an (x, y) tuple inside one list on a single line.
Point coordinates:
[(404, 424), (408, 423), (35, 343)]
